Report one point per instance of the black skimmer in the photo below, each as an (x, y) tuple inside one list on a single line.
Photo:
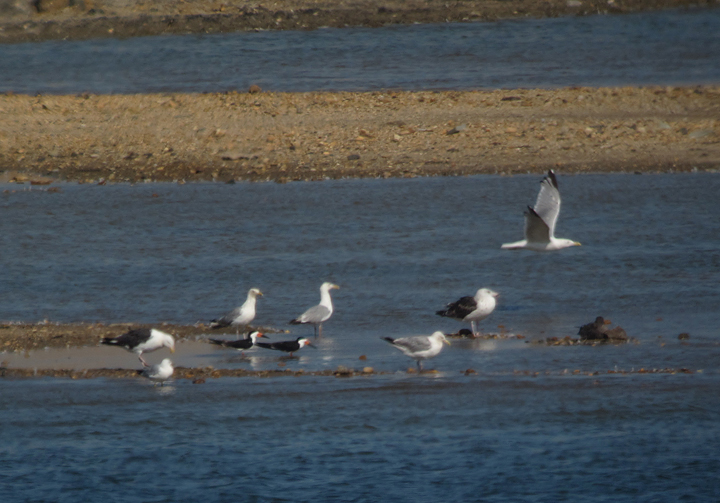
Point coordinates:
[(242, 344), (287, 346)]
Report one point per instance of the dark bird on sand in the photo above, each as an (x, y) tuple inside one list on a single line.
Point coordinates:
[(598, 330), (287, 346), (240, 345)]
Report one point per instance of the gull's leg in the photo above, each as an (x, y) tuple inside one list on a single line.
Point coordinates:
[(319, 327), (474, 328), (143, 361), (419, 364)]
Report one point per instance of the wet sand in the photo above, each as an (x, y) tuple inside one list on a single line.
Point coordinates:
[(285, 137), (28, 339), (24, 21)]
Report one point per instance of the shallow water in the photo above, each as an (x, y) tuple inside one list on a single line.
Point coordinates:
[(653, 48), (399, 249), (641, 438)]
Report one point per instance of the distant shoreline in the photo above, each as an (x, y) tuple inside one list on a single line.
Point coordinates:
[(89, 19)]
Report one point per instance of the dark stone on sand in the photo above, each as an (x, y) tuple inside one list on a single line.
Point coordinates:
[(255, 89), (353, 157)]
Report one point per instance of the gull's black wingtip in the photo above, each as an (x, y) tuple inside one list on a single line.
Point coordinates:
[(553, 179), (532, 211)]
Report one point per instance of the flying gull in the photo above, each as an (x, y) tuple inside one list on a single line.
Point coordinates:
[(287, 346), (141, 340), (240, 345), (540, 221), (161, 372), (472, 309), (320, 313), (240, 316), (420, 347)]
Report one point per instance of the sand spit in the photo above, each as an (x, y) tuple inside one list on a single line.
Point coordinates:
[(282, 137)]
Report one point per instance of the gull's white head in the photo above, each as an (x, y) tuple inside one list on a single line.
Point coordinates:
[(327, 286), (167, 340), (440, 337), (254, 292), (166, 364), (485, 292), (564, 243)]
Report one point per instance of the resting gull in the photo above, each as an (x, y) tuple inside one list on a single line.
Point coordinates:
[(420, 347), (141, 340), (472, 309), (287, 346), (160, 372), (540, 221), (320, 313), (240, 345), (240, 316)]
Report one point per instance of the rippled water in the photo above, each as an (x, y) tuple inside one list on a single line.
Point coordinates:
[(654, 48), (399, 249)]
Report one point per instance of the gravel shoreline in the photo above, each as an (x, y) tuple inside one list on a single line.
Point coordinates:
[(37, 20), (282, 137)]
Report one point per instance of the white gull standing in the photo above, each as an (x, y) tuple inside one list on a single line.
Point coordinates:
[(540, 221), (240, 316), (472, 309), (420, 347), (160, 372), (320, 313), (141, 340)]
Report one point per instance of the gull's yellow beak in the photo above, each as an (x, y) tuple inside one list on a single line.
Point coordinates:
[(575, 243)]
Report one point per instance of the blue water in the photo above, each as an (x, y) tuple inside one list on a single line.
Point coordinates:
[(631, 439), (653, 48), (399, 249)]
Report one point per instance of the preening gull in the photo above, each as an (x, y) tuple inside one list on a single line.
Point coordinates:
[(472, 309), (160, 372), (240, 345), (287, 346), (540, 221), (420, 347), (141, 340), (240, 316), (320, 313)]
